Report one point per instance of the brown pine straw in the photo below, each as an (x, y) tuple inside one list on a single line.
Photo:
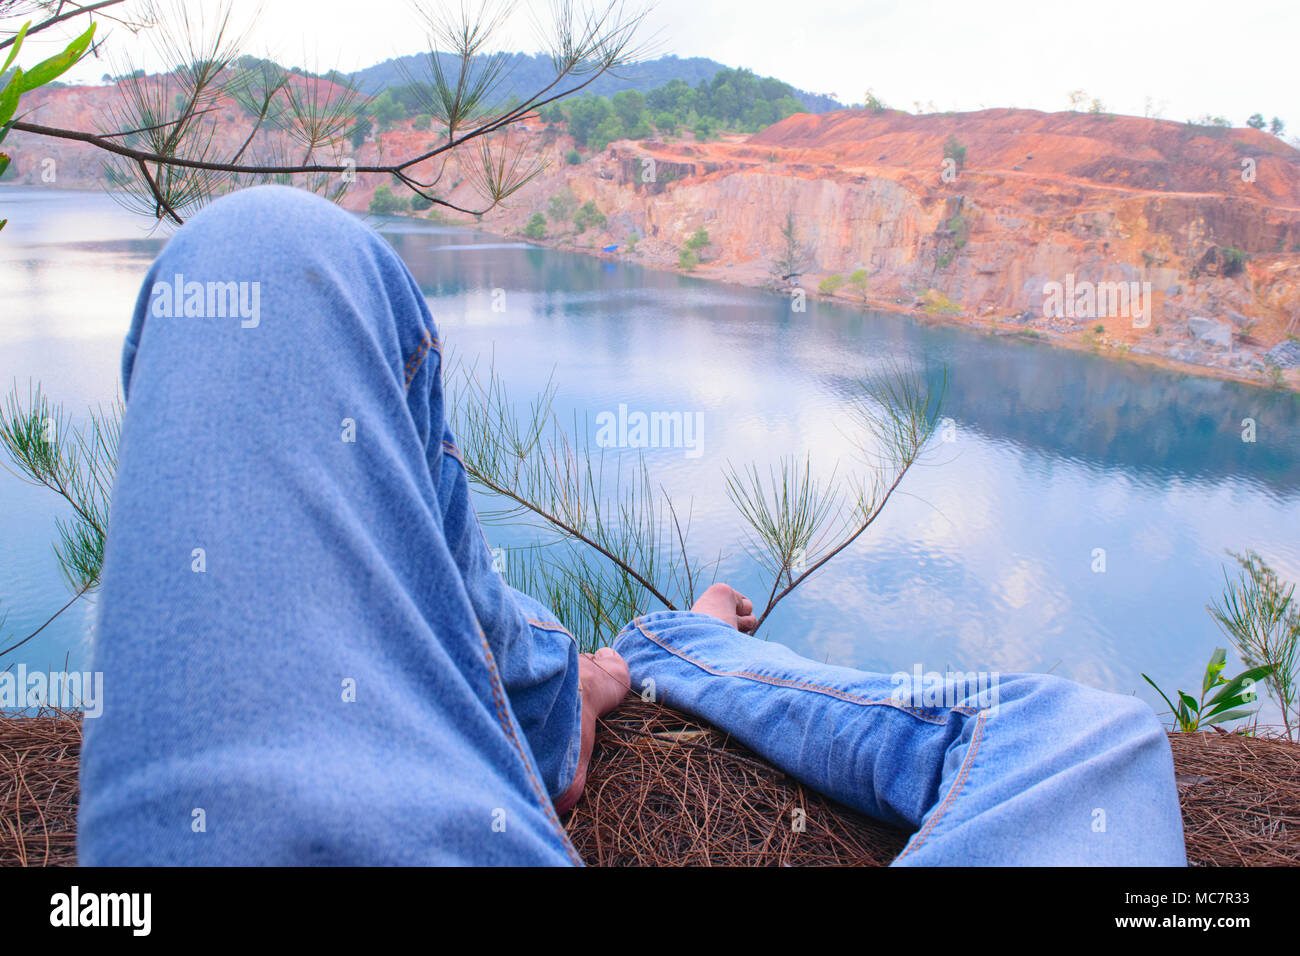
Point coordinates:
[(39, 757), (665, 789)]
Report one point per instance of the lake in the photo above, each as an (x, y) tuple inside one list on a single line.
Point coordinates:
[(983, 561)]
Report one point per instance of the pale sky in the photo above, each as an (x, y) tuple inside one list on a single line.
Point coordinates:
[(1189, 57)]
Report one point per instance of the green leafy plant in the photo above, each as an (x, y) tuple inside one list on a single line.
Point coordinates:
[(1232, 694), (14, 81)]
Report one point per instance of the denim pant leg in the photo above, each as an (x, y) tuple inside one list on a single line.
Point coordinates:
[(1052, 773), (305, 658)]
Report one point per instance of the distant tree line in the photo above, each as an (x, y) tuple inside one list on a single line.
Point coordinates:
[(734, 100)]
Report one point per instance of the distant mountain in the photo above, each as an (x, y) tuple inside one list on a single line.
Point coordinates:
[(528, 74)]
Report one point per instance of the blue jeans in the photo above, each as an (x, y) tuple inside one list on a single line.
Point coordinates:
[(998, 770), (308, 657)]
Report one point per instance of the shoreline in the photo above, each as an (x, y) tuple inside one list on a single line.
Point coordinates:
[(1009, 327), (1000, 326)]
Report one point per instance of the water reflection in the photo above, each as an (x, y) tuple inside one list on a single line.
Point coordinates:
[(987, 560), (984, 561)]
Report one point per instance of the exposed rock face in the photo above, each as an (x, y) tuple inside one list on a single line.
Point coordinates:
[(1150, 223), (1121, 228), (1209, 332), (1284, 354)]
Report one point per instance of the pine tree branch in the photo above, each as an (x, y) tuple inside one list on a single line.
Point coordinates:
[(49, 620)]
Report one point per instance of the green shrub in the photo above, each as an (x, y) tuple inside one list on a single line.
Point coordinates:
[(858, 283), (936, 303), (573, 157), (588, 217), (1234, 261), (360, 130), (831, 284), (384, 203), (954, 150), (536, 228), (960, 228)]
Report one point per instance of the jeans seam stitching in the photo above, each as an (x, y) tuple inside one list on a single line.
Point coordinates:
[(545, 802), (795, 685), (977, 738), (550, 626), (417, 358), (455, 453)]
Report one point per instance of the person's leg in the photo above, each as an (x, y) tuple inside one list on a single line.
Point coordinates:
[(307, 657), (1055, 773)]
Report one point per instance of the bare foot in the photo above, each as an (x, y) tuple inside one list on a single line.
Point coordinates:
[(729, 606), (603, 681)]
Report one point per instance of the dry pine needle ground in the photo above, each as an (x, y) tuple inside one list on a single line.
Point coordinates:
[(665, 789)]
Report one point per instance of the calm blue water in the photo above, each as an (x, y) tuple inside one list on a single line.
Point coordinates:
[(983, 561)]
